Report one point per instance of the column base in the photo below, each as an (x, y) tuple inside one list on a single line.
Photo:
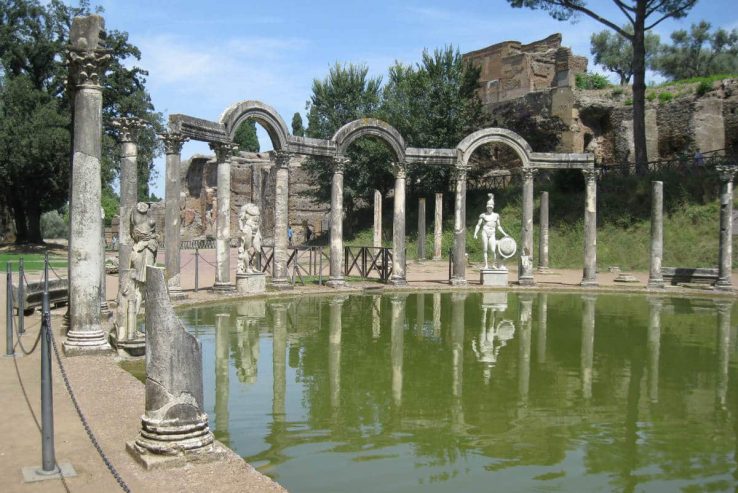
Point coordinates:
[(589, 283), (457, 281), (81, 342), (655, 284), (281, 283), (223, 287), (336, 282), (176, 293), (397, 281), (526, 281), (724, 285), (543, 270), (436, 258)]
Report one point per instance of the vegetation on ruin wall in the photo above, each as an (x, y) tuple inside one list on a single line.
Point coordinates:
[(691, 222)]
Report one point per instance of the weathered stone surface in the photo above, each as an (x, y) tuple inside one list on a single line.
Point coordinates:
[(421, 229), (398, 228), (543, 236), (173, 142), (494, 277), (254, 282), (589, 274), (655, 278), (458, 277), (174, 425), (438, 227), (525, 266)]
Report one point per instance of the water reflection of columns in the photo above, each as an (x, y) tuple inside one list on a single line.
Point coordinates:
[(436, 314), (542, 328), (376, 317), (397, 345), (526, 324), (457, 356), (334, 350), (587, 352), (654, 347), (279, 360), (420, 313), (222, 326), (724, 308)]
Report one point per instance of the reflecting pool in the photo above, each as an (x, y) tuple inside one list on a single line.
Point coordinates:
[(476, 392)]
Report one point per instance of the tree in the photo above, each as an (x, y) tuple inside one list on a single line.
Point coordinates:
[(33, 38), (642, 15), (297, 129), (615, 53), (246, 137), (698, 53)]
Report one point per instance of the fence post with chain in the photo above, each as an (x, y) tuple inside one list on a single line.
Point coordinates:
[(197, 268), (9, 350), (21, 297)]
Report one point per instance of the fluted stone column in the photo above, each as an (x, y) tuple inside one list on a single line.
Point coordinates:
[(654, 347), (335, 278), (725, 262), (458, 276), (543, 237), (525, 267), (398, 277), (397, 345), (421, 229), (724, 308), (587, 351), (223, 225), (334, 349), (438, 228), (281, 221), (279, 361), (86, 64), (526, 329), (377, 219), (655, 278), (589, 277), (173, 142)]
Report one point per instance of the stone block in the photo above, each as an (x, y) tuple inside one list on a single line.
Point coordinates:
[(251, 283), (494, 277)]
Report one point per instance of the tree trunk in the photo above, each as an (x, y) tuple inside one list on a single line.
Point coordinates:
[(33, 215), (19, 215), (639, 89)]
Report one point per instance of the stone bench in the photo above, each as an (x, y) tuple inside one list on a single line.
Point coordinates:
[(34, 294), (697, 275)]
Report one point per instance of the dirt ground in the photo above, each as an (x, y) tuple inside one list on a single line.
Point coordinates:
[(113, 400)]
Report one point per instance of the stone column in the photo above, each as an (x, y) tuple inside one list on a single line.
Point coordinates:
[(458, 276), (222, 376), (438, 228), (421, 229), (655, 279), (335, 278), (654, 347), (398, 227), (128, 190), (543, 237), (377, 219), (334, 350), (437, 315), (724, 308), (104, 309), (279, 361), (526, 328), (525, 265), (397, 345), (376, 317), (542, 327), (86, 64), (725, 262), (457, 343), (281, 221), (589, 277), (223, 223), (587, 352), (173, 142)]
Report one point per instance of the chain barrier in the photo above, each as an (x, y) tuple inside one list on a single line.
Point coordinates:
[(19, 343), (206, 261), (54, 271), (192, 257), (83, 419)]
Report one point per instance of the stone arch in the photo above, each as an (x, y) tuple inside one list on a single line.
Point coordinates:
[(347, 134), (263, 114), (499, 135)]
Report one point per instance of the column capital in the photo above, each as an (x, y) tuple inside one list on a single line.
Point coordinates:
[(86, 66), (399, 169), (590, 174), (459, 172), (528, 173), (126, 126), (223, 150), (282, 159), (725, 172), (173, 141), (340, 163)]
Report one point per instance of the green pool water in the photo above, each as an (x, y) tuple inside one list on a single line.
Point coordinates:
[(450, 392)]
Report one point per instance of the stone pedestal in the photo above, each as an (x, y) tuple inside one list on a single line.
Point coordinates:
[(494, 277), (250, 283), (174, 428)]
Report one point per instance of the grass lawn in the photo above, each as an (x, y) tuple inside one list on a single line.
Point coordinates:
[(32, 261)]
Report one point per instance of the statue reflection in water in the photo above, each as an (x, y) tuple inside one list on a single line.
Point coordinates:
[(493, 336), (250, 313)]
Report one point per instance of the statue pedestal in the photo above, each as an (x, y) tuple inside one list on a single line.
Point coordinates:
[(251, 283), (494, 277)]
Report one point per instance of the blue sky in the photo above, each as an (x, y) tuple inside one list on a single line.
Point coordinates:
[(204, 56)]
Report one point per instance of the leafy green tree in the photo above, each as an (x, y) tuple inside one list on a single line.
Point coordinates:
[(297, 129), (33, 38), (698, 52), (246, 138), (642, 15), (615, 53)]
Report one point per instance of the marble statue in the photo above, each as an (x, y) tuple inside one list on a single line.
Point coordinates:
[(249, 244), (489, 222)]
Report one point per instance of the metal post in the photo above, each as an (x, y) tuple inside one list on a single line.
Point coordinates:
[(197, 267), (45, 298), (9, 350), (21, 298), (48, 459)]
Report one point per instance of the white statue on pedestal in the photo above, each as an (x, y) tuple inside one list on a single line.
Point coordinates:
[(489, 222), (249, 244)]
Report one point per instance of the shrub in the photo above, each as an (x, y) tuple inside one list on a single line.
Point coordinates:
[(591, 81), (665, 97), (53, 225), (618, 91), (651, 96), (628, 102), (703, 88)]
